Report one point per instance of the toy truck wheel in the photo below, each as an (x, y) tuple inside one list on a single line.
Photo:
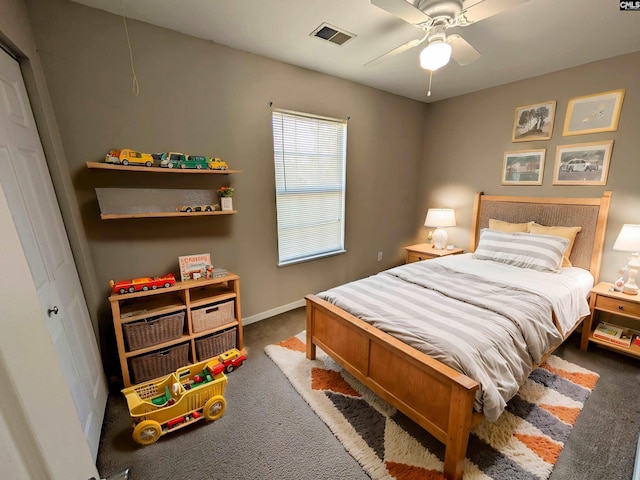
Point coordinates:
[(147, 432), (125, 162), (214, 408)]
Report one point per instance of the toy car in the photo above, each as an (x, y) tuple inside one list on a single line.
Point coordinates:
[(170, 159), (127, 156), (142, 284), (229, 360), (217, 164), (194, 161), (165, 405), (198, 208)]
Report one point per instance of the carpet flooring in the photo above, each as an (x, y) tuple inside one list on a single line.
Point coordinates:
[(523, 444), (269, 431)]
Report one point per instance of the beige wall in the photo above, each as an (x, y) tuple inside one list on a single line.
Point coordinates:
[(202, 98), (466, 137)]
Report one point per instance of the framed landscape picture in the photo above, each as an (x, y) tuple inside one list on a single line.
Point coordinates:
[(524, 167), (533, 122), (593, 113), (583, 163)]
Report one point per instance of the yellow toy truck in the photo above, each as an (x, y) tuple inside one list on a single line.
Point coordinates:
[(180, 399)]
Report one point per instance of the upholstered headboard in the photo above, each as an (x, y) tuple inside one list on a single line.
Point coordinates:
[(589, 213)]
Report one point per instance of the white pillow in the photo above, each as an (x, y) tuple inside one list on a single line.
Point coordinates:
[(524, 250)]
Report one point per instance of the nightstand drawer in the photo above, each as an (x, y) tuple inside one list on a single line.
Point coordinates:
[(416, 257), (618, 306)]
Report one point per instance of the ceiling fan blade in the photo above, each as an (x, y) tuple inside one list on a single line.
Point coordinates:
[(462, 51), (486, 8), (402, 9), (402, 48)]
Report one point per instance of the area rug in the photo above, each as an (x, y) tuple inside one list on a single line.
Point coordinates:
[(524, 443)]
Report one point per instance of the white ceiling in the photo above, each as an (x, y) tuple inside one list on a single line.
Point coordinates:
[(534, 38)]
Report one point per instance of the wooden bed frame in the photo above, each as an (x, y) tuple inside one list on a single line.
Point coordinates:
[(437, 397)]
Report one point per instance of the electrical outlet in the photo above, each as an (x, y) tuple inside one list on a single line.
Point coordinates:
[(379, 256)]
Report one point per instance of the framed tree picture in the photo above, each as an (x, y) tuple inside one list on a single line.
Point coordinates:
[(534, 122), (583, 163), (523, 167), (593, 113)]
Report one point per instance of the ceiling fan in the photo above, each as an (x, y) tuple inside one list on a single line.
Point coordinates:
[(435, 17)]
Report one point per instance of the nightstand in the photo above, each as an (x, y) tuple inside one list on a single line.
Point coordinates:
[(425, 251), (616, 303)]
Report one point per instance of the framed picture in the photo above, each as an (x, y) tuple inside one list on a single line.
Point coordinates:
[(593, 113), (582, 163), (533, 122), (523, 167), (193, 267)]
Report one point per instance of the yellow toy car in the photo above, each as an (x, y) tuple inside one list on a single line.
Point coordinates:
[(126, 156), (217, 164)]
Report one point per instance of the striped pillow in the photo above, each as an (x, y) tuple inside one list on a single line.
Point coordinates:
[(524, 250)]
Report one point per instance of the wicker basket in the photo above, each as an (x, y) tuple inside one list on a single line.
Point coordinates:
[(158, 364), (152, 331), (215, 344), (212, 316)]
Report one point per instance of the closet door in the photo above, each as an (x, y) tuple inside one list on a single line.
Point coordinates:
[(27, 185)]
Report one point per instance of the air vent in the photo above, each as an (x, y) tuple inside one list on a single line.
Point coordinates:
[(332, 34)]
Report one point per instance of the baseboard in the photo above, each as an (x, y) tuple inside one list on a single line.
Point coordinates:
[(275, 311)]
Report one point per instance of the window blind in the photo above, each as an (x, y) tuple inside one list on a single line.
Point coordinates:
[(310, 161)]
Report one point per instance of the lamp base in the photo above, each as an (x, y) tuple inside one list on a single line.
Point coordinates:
[(630, 288), (439, 239)]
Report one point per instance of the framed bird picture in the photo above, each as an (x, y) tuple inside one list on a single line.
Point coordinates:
[(593, 113)]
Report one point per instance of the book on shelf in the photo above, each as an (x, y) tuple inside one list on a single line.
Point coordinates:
[(613, 334), (194, 266)]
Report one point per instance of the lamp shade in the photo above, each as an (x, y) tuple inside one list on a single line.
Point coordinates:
[(436, 55), (628, 239), (440, 217)]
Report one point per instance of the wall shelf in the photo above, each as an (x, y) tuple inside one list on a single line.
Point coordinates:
[(140, 168), (114, 216), (116, 203)]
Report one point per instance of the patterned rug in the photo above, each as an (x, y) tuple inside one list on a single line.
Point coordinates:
[(524, 443)]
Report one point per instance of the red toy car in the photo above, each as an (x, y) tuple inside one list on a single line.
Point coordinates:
[(229, 360), (142, 283)]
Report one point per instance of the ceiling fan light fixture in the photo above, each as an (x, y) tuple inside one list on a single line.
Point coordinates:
[(435, 56)]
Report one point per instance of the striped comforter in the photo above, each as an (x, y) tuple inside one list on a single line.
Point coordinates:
[(488, 329)]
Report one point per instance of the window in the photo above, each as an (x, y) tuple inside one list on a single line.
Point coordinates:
[(309, 153)]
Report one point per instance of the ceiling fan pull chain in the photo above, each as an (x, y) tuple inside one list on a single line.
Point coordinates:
[(430, 76)]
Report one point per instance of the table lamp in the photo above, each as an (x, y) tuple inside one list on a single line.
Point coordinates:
[(629, 241), (440, 218)]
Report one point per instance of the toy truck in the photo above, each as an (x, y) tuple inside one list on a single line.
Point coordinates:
[(182, 398)]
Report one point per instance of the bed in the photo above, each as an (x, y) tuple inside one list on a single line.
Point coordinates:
[(401, 374)]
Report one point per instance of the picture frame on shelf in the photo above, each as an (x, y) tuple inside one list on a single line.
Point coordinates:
[(523, 167), (193, 267), (534, 122), (595, 113), (582, 163)]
